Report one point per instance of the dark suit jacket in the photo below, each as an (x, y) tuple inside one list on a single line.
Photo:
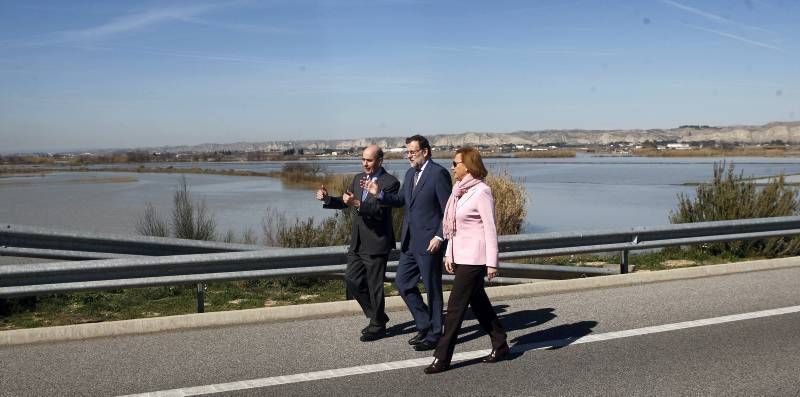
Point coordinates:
[(424, 206), (373, 231)]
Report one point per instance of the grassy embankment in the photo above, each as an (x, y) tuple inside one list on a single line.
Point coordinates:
[(728, 196)]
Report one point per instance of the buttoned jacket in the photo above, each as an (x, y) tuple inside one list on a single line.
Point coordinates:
[(475, 240)]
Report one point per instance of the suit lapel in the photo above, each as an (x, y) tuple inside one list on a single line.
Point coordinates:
[(466, 197), (408, 186), (415, 189), (422, 178), (358, 190)]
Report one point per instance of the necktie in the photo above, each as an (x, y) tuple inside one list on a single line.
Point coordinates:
[(364, 192), (416, 179)]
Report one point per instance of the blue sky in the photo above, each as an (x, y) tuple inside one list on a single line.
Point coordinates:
[(105, 74)]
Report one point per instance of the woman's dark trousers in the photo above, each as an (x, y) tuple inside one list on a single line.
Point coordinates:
[(468, 290)]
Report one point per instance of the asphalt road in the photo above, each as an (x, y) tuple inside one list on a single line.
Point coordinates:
[(565, 344)]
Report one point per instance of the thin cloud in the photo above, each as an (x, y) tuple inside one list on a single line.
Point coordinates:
[(738, 38), (121, 25), (552, 51), (557, 51), (696, 11), (711, 16), (237, 27), (208, 57)]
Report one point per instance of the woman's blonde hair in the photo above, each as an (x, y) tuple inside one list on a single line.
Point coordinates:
[(472, 160)]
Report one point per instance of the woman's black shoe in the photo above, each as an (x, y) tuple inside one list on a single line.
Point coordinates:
[(437, 366), (497, 354)]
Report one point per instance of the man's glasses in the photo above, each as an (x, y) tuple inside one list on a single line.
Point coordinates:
[(412, 152)]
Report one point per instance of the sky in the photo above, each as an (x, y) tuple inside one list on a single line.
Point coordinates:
[(121, 74)]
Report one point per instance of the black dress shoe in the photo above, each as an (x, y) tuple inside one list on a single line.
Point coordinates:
[(437, 366), (372, 327), (425, 345), (497, 354), (418, 338), (370, 335)]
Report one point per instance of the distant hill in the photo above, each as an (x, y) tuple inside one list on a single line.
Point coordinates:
[(788, 132)]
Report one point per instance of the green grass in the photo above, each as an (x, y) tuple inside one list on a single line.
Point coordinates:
[(98, 306), (649, 261), (88, 307)]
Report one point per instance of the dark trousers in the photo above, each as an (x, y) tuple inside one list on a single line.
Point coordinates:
[(468, 290), (364, 278), (412, 267)]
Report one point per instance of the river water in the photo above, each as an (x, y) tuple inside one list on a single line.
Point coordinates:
[(582, 193)]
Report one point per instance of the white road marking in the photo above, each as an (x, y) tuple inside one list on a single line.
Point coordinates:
[(419, 362)]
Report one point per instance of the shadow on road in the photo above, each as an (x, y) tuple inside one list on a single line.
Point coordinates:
[(402, 328), (512, 321), (552, 338)]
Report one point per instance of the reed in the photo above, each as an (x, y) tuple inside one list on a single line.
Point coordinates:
[(190, 218), (558, 153), (333, 230), (731, 196), (510, 202)]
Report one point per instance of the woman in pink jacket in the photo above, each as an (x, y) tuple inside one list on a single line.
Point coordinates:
[(472, 255)]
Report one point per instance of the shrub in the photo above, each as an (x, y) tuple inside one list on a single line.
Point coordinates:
[(333, 230), (151, 223), (510, 200), (731, 196), (294, 172), (190, 219)]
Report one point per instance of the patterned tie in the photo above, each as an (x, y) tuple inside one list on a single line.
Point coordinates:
[(364, 192), (416, 179)]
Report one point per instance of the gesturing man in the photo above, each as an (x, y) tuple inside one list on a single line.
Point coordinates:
[(371, 239), (426, 188)]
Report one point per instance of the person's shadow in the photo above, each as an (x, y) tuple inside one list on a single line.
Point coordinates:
[(551, 338), (401, 328), (512, 321)]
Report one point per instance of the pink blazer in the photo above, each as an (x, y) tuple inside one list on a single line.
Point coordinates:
[(475, 241)]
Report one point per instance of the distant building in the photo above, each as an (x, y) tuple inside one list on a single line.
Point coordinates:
[(678, 146)]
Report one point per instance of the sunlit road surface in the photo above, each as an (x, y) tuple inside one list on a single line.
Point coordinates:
[(728, 335)]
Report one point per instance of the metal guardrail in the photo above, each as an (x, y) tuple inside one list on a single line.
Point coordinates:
[(162, 261), (39, 242)]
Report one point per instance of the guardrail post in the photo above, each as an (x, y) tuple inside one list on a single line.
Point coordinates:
[(623, 262), (201, 301)]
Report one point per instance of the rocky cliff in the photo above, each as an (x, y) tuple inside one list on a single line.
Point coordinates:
[(788, 132)]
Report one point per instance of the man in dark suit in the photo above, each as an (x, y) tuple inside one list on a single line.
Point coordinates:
[(426, 188), (371, 240)]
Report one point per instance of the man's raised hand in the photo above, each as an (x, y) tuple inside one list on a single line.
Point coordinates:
[(371, 186), (322, 193), (347, 198)]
